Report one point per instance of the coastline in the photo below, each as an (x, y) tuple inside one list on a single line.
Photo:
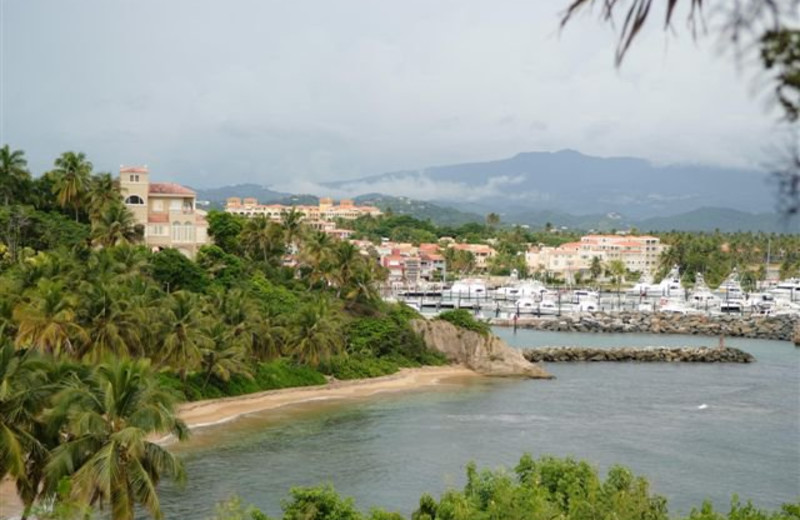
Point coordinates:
[(211, 412)]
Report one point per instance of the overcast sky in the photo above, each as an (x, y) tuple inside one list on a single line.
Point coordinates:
[(290, 92)]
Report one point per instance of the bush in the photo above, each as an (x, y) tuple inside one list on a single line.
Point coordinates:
[(462, 318), (273, 375)]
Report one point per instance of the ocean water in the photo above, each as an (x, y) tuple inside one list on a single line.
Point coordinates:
[(697, 431)]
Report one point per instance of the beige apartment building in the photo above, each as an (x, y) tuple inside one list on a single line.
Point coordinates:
[(168, 211), (326, 210)]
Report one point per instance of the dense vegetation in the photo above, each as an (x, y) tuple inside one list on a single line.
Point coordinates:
[(546, 488), (267, 306)]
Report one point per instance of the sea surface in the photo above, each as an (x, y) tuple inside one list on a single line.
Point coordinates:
[(697, 431)]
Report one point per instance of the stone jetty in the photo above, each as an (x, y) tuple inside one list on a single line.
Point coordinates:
[(639, 354), (785, 328)]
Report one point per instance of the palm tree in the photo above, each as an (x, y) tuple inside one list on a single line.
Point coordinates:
[(72, 174), (292, 226), (111, 326), (317, 254), (492, 220), (184, 332), (47, 321), (116, 225), (316, 333), (617, 269), (263, 239), (23, 395), (103, 194), (225, 354), (108, 423), (13, 173)]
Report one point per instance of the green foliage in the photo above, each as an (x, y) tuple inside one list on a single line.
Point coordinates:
[(464, 319), (537, 489), (175, 272), (225, 228), (281, 373)]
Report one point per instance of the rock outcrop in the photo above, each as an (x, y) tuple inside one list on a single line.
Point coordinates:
[(760, 327), (485, 354), (638, 354), (797, 334)]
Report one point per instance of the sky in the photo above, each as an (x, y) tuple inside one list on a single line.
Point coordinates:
[(295, 92)]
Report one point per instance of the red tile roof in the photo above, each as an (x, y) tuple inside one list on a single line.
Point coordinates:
[(133, 169), (169, 188)]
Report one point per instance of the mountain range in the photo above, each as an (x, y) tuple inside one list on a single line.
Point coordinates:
[(564, 188)]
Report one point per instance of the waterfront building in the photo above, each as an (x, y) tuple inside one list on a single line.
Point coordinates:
[(167, 211), (325, 211)]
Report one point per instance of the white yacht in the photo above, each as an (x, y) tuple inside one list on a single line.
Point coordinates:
[(531, 306), (701, 296), (585, 296), (731, 288), (468, 288), (526, 289), (669, 287), (787, 290)]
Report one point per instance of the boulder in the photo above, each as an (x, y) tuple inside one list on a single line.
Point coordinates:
[(485, 354)]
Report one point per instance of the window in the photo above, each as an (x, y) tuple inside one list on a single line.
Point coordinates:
[(157, 230), (182, 232), (134, 200), (158, 205), (175, 205), (133, 178), (177, 232)]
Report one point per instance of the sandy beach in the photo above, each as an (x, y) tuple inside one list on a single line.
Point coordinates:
[(211, 412)]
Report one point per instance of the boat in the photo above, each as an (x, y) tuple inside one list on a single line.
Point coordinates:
[(531, 306), (701, 296), (670, 286), (527, 289), (585, 296), (787, 290), (731, 288), (468, 288)]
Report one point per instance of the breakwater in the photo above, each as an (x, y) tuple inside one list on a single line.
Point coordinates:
[(785, 328), (639, 354)]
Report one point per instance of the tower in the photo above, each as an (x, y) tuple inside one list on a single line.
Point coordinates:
[(134, 184)]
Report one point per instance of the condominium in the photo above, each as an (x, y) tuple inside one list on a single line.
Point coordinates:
[(326, 210), (167, 211)]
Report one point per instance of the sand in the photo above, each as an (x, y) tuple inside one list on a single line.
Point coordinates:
[(212, 412)]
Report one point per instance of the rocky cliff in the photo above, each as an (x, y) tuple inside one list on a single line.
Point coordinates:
[(485, 354)]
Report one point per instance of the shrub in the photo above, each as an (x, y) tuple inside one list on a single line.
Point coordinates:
[(462, 318)]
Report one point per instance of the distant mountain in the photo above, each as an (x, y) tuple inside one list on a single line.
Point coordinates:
[(217, 196), (572, 183), (724, 219), (439, 215)]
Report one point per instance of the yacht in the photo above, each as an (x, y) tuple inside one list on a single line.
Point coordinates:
[(530, 306), (669, 287), (527, 289), (701, 296), (731, 288), (787, 290), (468, 288), (585, 296)]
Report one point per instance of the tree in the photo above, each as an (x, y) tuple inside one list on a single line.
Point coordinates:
[(13, 174), (111, 323), (492, 220), (23, 396), (108, 422), (184, 332), (115, 225), (262, 240), (596, 267), (225, 229), (316, 254), (175, 272), (316, 333), (47, 321), (617, 269), (292, 226), (103, 194), (72, 173), (224, 355)]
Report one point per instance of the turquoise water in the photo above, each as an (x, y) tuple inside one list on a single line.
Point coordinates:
[(387, 450)]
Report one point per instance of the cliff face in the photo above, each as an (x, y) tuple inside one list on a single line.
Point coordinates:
[(487, 355)]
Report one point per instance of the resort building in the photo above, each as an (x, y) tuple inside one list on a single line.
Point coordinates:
[(167, 211), (326, 210)]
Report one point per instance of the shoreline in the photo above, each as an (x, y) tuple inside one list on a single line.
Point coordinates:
[(213, 412)]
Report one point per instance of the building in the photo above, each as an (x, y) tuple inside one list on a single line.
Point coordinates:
[(167, 211), (326, 210), (638, 253)]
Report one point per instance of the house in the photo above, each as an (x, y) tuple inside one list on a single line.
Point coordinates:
[(167, 211)]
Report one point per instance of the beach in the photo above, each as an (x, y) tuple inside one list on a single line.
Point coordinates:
[(200, 414)]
